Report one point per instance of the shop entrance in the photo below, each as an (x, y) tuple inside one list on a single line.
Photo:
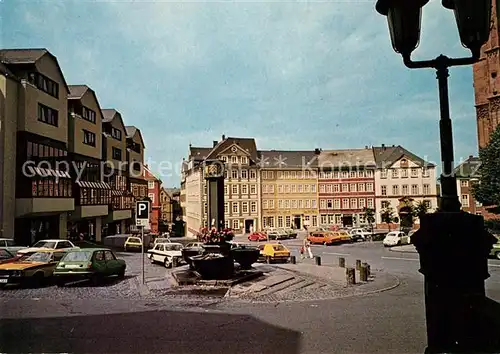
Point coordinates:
[(297, 222), (27, 231)]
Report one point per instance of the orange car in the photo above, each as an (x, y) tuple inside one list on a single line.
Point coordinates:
[(324, 237)]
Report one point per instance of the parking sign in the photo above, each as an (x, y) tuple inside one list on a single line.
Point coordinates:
[(142, 213)]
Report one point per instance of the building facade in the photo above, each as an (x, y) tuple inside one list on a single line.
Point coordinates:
[(487, 85), (346, 186), (193, 181), (289, 189), (401, 175), (154, 195)]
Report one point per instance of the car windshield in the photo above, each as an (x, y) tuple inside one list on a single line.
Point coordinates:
[(4, 254), (134, 239), (173, 247), (78, 256), (161, 240), (38, 257), (278, 247), (45, 244)]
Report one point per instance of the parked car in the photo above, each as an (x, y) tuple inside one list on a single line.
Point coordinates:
[(495, 250), (396, 238), (194, 244), (290, 232), (133, 244), (6, 256), (257, 236), (324, 237), (159, 240), (10, 245), (165, 253), (34, 268), (272, 252), (49, 245), (343, 235), (359, 234), (88, 263)]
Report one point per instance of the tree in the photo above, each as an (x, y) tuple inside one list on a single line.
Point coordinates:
[(487, 191), (369, 214), (387, 216), (420, 209)]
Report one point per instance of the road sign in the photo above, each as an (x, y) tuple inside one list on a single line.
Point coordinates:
[(141, 222), (142, 210)]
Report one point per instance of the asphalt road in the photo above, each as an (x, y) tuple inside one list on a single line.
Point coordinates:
[(388, 322)]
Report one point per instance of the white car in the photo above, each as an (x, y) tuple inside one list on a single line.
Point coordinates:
[(359, 234), (43, 245), (164, 253), (10, 245), (396, 238)]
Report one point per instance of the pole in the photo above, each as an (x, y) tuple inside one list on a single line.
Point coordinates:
[(449, 194), (142, 241)]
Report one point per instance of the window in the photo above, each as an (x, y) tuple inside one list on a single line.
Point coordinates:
[(205, 208), (385, 204), (226, 224), (362, 203), (234, 189), (414, 172), (226, 208), (405, 189), (428, 204), (465, 200), (315, 220), (336, 188), (234, 174), (335, 175), (117, 153), (336, 203), (323, 219), (224, 159), (280, 204), (244, 207), (287, 188), (152, 197), (345, 174), (425, 172), (322, 204), (361, 174), (345, 187), (287, 204), (369, 174), (271, 188), (293, 174), (464, 183), (307, 188), (253, 174), (294, 204), (369, 203), (235, 208), (427, 189), (328, 188), (383, 190), (88, 138), (354, 203), (361, 187), (404, 173), (414, 189), (226, 189), (293, 188), (116, 134), (288, 221), (395, 173), (151, 185), (88, 114), (299, 188), (352, 187), (264, 204), (322, 188), (280, 174), (383, 173), (314, 204), (244, 188), (271, 205), (345, 203), (270, 174), (395, 190), (47, 115), (44, 84), (244, 160), (321, 175), (313, 188), (300, 204), (236, 224), (234, 159), (253, 189), (280, 221), (307, 174), (369, 187), (329, 204), (244, 174), (225, 174), (253, 206), (353, 174), (280, 188)]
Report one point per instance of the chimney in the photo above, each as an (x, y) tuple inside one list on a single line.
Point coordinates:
[(215, 143), (471, 157), (317, 151), (383, 146), (223, 137)]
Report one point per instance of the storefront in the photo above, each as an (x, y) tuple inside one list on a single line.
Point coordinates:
[(85, 229), (32, 229)]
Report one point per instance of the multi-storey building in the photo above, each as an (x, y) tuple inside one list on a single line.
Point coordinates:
[(92, 196), (487, 85), (154, 195), (166, 202), (114, 156), (402, 176), (37, 192), (289, 188), (346, 186)]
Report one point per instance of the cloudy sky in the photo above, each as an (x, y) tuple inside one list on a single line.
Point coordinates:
[(294, 75)]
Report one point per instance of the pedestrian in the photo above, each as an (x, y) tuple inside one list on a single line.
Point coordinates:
[(309, 249), (302, 252)]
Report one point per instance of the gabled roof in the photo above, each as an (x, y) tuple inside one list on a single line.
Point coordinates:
[(109, 114), (469, 168), (149, 175), (246, 144), (386, 156), (5, 70), (346, 158), (76, 92), (287, 159), (131, 131), (28, 56), (198, 153)]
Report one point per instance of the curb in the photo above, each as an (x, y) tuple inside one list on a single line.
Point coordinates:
[(402, 251)]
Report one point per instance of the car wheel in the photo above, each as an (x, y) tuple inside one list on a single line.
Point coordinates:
[(167, 263), (121, 274)]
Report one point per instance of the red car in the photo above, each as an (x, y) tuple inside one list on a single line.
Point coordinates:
[(7, 256), (257, 236)]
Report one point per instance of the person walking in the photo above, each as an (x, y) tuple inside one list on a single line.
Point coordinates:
[(307, 249)]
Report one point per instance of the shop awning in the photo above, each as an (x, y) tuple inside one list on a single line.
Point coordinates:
[(95, 185), (118, 193), (47, 172)]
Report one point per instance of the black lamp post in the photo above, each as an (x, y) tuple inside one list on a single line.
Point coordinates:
[(452, 299)]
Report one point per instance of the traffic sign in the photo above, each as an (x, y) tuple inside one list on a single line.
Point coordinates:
[(141, 222), (142, 210)]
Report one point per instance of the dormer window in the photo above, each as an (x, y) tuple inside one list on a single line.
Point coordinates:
[(224, 158), (234, 159), (44, 84), (244, 160), (116, 134), (88, 114)]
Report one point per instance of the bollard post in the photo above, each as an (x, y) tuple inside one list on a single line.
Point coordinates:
[(318, 260), (175, 262), (362, 273), (341, 262), (350, 274), (368, 270), (293, 260), (358, 264)]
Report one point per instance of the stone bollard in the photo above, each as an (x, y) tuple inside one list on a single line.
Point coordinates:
[(350, 274), (358, 264), (318, 260), (368, 270), (293, 260), (175, 262), (363, 276), (341, 262)]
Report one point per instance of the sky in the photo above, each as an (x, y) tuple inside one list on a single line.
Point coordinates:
[(293, 75)]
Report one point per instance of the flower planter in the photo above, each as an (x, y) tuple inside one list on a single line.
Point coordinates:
[(189, 252), (245, 256), (213, 266)]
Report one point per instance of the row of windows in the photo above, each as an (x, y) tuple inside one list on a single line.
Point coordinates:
[(292, 204), (118, 182), (123, 202), (346, 203), (89, 196), (44, 83), (233, 224), (242, 174), (403, 172), (88, 114), (336, 219), (116, 133), (405, 189), (246, 207), (346, 187), (386, 204), (286, 221), (50, 188), (44, 151), (236, 159), (116, 153), (346, 174), (465, 201), (296, 174), (138, 190), (235, 189), (48, 115), (88, 138)]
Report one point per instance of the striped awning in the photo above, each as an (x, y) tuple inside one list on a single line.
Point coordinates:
[(95, 185), (47, 172), (117, 193)]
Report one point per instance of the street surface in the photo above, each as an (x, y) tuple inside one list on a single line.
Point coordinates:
[(118, 318)]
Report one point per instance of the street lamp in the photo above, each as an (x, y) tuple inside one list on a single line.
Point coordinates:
[(452, 298)]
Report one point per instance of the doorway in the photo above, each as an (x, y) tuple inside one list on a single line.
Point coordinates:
[(248, 226), (297, 222), (347, 220)]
